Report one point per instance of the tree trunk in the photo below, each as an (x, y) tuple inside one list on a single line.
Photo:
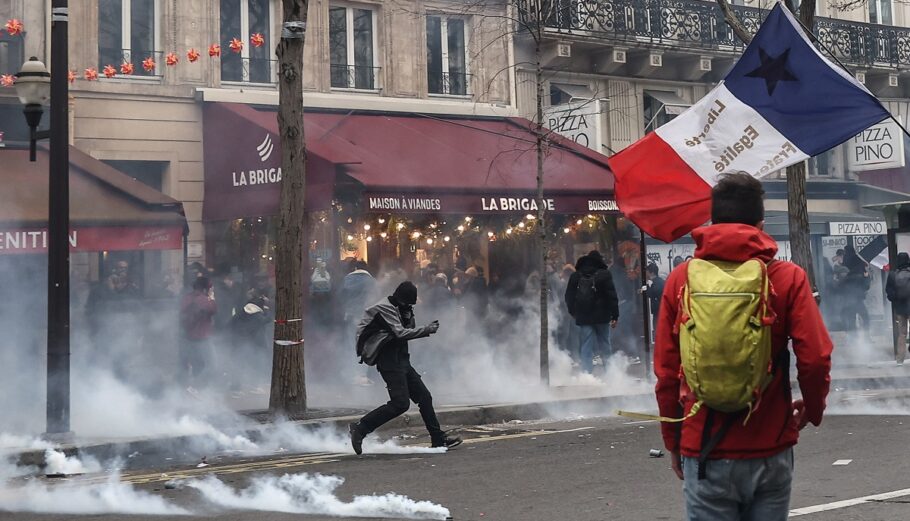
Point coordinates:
[(288, 392), (797, 203), (542, 220)]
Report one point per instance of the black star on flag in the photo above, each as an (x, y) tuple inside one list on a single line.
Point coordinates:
[(772, 69)]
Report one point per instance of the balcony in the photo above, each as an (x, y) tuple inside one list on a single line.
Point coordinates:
[(237, 69), (450, 84), (357, 77), (697, 24), (117, 57)]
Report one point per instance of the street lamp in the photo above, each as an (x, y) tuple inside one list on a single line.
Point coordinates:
[(33, 86)]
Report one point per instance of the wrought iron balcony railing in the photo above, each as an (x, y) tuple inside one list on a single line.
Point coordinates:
[(450, 83), (235, 68), (700, 24), (136, 57), (354, 77)]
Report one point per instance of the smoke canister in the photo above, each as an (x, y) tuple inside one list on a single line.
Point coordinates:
[(656, 453)]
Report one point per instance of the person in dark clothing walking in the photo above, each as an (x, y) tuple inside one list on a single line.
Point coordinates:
[(382, 338), (898, 291), (654, 289), (591, 299), (855, 286)]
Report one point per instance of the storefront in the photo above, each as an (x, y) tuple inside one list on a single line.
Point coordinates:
[(113, 218), (401, 191)]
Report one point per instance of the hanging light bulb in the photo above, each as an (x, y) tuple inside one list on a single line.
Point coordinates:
[(509, 231), (566, 230), (579, 222), (350, 220), (530, 217), (521, 225), (350, 237), (490, 234), (415, 235), (433, 226), (468, 219), (370, 239), (381, 220), (400, 226), (367, 227), (430, 241), (447, 238), (460, 228), (383, 235)]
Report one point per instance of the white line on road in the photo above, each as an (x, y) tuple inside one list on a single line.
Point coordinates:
[(849, 503)]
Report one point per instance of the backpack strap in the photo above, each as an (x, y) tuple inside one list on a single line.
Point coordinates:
[(708, 442)]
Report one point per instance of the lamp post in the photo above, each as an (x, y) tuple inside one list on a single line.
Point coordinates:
[(30, 85)]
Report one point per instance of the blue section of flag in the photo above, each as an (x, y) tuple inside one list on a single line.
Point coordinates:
[(782, 77)]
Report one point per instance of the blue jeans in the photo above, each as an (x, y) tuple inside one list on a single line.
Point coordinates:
[(594, 340), (739, 490)]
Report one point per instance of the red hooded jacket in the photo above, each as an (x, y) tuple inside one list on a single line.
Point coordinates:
[(771, 427)]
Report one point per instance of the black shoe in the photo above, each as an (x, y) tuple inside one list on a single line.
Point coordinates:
[(356, 438), (447, 442)]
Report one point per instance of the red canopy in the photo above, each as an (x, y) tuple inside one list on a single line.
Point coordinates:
[(427, 163)]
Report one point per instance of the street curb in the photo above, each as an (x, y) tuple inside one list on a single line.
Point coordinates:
[(457, 416)]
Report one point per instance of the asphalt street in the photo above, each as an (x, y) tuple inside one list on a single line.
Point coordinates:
[(579, 470)]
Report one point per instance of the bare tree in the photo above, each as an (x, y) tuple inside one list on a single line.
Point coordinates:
[(288, 390), (797, 203)]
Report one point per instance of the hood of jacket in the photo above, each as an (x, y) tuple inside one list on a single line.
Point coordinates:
[(733, 242), (903, 261), (590, 263)]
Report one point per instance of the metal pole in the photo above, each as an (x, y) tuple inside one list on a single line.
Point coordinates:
[(58, 283), (646, 311)]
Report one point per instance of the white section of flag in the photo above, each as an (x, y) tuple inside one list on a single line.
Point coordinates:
[(721, 134)]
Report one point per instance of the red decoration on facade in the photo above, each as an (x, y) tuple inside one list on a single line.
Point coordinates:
[(127, 68), (14, 27), (71, 76), (149, 64), (7, 80), (236, 45), (214, 50), (90, 74), (171, 59), (192, 55), (257, 40), (109, 71)]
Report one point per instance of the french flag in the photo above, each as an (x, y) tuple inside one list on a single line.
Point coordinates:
[(782, 103)]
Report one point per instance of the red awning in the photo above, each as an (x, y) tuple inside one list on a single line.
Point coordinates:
[(108, 209), (407, 163)]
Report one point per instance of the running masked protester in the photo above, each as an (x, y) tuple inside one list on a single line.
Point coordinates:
[(722, 363), (898, 291), (382, 340), (591, 300)]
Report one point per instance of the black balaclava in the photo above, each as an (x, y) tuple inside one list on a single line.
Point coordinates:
[(406, 293)]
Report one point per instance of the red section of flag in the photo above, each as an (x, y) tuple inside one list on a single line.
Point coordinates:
[(658, 191)]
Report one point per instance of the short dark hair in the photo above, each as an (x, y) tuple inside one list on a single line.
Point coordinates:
[(202, 283), (737, 198), (653, 269)]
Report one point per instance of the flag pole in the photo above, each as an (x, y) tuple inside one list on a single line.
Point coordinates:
[(824, 47)]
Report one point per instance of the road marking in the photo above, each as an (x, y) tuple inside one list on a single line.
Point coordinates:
[(640, 422), (849, 503)]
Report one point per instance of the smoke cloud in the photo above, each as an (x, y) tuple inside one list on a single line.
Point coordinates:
[(312, 494)]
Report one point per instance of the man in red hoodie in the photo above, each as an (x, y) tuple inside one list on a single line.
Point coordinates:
[(749, 472)]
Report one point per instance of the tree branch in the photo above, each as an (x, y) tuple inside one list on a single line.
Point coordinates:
[(734, 22)]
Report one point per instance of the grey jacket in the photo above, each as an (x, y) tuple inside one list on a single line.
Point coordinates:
[(382, 324)]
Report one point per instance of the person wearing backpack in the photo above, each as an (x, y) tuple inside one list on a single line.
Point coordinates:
[(382, 340), (722, 363), (592, 302), (897, 290)]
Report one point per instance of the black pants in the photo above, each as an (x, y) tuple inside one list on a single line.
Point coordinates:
[(404, 385)]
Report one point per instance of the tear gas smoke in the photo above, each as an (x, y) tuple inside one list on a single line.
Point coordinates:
[(312, 494), (58, 463)]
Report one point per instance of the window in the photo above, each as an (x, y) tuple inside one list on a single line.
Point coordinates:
[(127, 32), (660, 108), (241, 19), (12, 55), (822, 164), (447, 71), (352, 40), (880, 12)]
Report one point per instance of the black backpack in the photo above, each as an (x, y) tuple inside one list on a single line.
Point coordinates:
[(586, 294), (902, 284)]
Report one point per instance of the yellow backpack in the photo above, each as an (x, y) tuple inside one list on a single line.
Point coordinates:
[(724, 325)]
